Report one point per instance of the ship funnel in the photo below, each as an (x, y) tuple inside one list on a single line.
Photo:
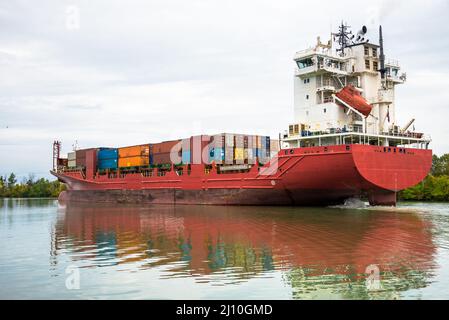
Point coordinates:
[(382, 55)]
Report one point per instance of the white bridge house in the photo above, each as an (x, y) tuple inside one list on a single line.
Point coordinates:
[(321, 118)]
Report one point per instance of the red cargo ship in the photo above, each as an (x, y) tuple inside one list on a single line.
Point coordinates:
[(345, 143), (302, 176)]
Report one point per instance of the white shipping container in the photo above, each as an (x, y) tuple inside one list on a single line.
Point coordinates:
[(229, 140), (71, 163), (218, 141), (71, 155), (239, 139), (229, 155), (252, 142), (274, 145)]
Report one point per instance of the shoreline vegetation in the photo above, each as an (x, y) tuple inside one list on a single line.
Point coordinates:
[(434, 188), (29, 187)]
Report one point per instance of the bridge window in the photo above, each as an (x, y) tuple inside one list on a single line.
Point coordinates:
[(304, 63)]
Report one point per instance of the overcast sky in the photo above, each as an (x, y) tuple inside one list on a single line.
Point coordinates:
[(113, 73)]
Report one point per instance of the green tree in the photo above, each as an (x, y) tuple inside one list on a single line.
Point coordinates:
[(2, 186), (29, 187), (12, 180), (440, 165)]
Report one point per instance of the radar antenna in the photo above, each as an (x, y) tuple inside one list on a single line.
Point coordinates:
[(343, 37)]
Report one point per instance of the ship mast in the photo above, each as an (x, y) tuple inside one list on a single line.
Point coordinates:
[(343, 37), (56, 153)]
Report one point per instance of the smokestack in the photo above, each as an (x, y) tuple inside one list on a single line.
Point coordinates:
[(382, 56)]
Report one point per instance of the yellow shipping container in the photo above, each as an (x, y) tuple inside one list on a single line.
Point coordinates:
[(239, 154), (133, 161), (134, 151)]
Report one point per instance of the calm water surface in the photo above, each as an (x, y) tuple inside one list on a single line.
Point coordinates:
[(203, 252)]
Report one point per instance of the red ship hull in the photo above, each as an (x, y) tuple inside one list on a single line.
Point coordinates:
[(302, 176)]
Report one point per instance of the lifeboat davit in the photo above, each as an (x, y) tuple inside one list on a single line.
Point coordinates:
[(351, 96)]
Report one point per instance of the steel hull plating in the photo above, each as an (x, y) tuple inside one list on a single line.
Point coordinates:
[(303, 176)]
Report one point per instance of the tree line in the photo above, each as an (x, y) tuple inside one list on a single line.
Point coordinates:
[(435, 186), (29, 187)]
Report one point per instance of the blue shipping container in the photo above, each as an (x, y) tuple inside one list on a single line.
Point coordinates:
[(107, 153), (107, 164)]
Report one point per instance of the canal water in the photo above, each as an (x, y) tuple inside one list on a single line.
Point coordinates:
[(50, 250)]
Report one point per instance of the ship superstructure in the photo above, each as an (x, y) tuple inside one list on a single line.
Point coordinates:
[(344, 92)]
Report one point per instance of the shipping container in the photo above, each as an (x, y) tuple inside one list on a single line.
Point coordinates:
[(252, 142), (258, 142), (167, 146), (138, 161), (229, 140), (239, 141), (166, 158), (81, 157), (216, 155), (107, 153), (107, 164), (71, 164), (217, 141), (71, 155), (274, 145), (142, 150), (251, 156), (229, 155), (239, 155)]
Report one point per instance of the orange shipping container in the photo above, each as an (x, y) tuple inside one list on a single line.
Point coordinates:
[(133, 161), (134, 151)]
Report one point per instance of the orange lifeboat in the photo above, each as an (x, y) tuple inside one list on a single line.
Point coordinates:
[(351, 96)]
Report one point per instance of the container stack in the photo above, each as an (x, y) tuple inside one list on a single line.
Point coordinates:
[(107, 158), (134, 156), (223, 149)]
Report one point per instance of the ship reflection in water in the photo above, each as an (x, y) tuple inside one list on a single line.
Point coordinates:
[(285, 252)]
